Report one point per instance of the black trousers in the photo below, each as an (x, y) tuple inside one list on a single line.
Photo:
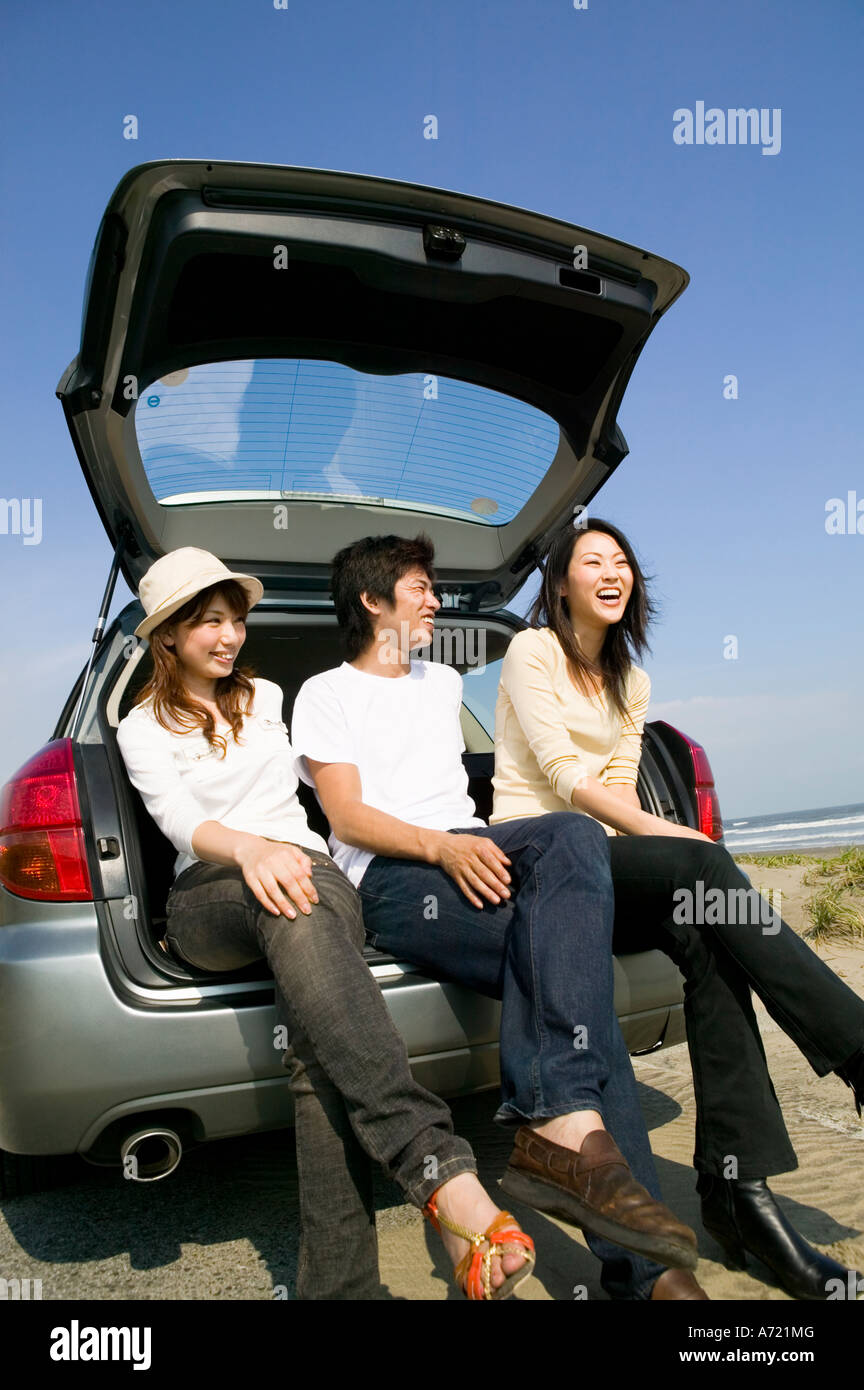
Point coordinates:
[(721, 958)]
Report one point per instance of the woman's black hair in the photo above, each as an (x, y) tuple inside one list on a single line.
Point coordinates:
[(624, 640)]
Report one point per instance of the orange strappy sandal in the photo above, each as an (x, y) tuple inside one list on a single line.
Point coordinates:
[(506, 1231)]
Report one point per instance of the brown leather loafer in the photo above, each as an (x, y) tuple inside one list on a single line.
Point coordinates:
[(596, 1191), (677, 1283)]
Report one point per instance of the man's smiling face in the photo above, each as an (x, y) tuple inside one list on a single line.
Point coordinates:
[(411, 613)]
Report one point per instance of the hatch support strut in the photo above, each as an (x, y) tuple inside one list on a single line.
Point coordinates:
[(124, 534)]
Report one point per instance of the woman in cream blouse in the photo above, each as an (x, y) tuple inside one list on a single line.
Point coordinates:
[(568, 732)]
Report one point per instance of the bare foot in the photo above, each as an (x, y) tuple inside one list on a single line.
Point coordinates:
[(464, 1201), (569, 1130)]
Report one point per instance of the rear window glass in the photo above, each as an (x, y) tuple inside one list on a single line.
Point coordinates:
[(480, 692), (298, 428)]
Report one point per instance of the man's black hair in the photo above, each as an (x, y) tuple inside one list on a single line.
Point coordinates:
[(373, 566)]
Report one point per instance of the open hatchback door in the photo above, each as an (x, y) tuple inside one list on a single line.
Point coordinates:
[(276, 361)]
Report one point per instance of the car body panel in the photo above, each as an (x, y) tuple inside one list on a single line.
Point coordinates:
[(77, 1057)]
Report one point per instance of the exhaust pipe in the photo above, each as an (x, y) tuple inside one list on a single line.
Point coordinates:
[(150, 1154)]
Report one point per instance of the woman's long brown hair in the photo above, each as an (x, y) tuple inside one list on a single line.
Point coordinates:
[(171, 700), (624, 639)]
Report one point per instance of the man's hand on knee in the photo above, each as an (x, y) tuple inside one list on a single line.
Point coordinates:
[(477, 865)]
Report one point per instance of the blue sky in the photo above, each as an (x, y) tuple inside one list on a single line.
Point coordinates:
[(569, 112)]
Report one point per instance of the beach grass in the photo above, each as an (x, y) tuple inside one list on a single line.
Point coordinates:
[(834, 913), (833, 918), (844, 870), (776, 861)]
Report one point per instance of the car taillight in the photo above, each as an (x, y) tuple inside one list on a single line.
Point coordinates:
[(42, 852), (708, 817)]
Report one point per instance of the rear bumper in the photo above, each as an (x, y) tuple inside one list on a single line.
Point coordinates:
[(76, 1058)]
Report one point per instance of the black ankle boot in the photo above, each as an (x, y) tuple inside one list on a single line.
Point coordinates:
[(852, 1072), (743, 1217)]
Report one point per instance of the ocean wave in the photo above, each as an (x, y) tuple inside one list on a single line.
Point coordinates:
[(814, 839), (814, 825)]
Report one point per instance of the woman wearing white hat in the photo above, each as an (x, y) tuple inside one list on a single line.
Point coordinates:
[(206, 748)]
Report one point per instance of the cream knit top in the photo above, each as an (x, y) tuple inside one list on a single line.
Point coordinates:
[(549, 738)]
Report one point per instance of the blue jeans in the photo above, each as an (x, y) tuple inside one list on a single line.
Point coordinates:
[(546, 953)]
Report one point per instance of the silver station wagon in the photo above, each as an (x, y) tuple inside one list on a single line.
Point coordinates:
[(274, 362)]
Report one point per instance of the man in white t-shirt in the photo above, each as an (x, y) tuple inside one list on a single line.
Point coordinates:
[(521, 911)]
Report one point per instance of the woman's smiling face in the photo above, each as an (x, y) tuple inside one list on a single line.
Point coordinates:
[(207, 649), (599, 580)]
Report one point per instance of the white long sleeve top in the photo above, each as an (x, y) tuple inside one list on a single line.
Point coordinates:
[(549, 738), (184, 782)]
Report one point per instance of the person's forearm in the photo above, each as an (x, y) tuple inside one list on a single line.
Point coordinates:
[(625, 792), (613, 809), (370, 829), (217, 844)]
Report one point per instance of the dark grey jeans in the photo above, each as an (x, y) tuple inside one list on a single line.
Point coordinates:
[(353, 1091)]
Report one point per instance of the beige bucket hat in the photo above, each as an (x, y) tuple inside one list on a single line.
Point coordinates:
[(178, 576)]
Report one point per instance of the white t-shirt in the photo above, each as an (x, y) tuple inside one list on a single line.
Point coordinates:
[(183, 781), (403, 734)]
